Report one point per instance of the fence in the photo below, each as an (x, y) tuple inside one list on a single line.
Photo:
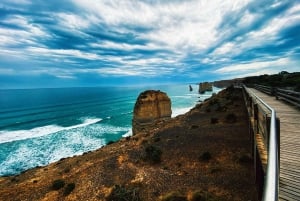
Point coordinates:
[(289, 96), (264, 133)]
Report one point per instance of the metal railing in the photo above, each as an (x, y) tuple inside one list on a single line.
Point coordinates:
[(289, 96), (270, 191)]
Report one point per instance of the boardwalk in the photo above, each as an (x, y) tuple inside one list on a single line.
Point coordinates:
[(289, 181)]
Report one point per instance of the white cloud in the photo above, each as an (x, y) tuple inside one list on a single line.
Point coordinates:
[(269, 32), (72, 21), (179, 26), (63, 53), (224, 49), (118, 71), (255, 66), (124, 46), (26, 35)]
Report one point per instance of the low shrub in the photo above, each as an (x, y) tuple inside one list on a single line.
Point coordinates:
[(153, 154), (194, 126), (214, 101), (174, 196), (157, 139), (206, 156), (202, 196), (214, 120), (244, 159), (57, 184), (231, 118), (69, 188), (121, 193)]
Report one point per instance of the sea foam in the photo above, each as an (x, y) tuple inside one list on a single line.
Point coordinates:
[(9, 136)]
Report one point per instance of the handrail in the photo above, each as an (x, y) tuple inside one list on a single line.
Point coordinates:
[(289, 96), (270, 192)]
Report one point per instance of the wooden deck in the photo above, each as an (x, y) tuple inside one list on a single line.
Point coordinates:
[(289, 178)]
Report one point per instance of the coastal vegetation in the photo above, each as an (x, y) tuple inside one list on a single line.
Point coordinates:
[(283, 79)]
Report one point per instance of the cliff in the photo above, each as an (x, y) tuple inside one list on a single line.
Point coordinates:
[(151, 107), (204, 154), (205, 86)]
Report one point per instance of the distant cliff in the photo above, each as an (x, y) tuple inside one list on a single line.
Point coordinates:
[(227, 83), (205, 86), (151, 106), (283, 79)]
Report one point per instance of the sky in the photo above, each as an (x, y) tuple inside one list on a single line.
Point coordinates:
[(67, 43)]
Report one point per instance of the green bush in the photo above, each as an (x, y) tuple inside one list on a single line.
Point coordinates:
[(120, 193), (69, 188), (153, 154), (174, 196), (57, 184)]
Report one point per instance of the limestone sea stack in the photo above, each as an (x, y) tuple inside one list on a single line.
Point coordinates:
[(205, 86), (151, 107)]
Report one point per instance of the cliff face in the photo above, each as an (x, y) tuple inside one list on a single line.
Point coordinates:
[(150, 107), (205, 86)]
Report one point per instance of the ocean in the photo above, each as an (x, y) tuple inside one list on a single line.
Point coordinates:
[(41, 126)]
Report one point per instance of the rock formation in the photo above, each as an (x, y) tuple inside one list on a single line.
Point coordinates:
[(205, 86), (151, 107)]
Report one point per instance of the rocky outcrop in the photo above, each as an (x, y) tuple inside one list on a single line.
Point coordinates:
[(151, 107), (205, 86)]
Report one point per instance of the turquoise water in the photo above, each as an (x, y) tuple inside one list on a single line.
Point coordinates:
[(40, 126)]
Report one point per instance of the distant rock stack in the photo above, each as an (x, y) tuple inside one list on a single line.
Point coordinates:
[(150, 108), (191, 88), (205, 86)]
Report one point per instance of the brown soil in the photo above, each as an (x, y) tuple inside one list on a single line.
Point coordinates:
[(206, 150)]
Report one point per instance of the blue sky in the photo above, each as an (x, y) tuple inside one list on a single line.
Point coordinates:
[(63, 43)]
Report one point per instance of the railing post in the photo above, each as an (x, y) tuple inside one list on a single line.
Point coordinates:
[(259, 175), (255, 116), (268, 122), (278, 140)]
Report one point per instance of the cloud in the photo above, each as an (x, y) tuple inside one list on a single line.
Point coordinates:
[(259, 68), (179, 39), (64, 53)]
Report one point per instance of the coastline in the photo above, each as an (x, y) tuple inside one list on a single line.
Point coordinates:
[(182, 140)]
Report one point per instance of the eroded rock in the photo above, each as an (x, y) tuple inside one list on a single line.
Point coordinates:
[(151, 107)]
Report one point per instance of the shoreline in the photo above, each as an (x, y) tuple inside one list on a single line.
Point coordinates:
[(42, 133)]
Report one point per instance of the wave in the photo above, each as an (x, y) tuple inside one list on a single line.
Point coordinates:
[(129, 133), (186, 97), (9, 136), (179, 111)]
